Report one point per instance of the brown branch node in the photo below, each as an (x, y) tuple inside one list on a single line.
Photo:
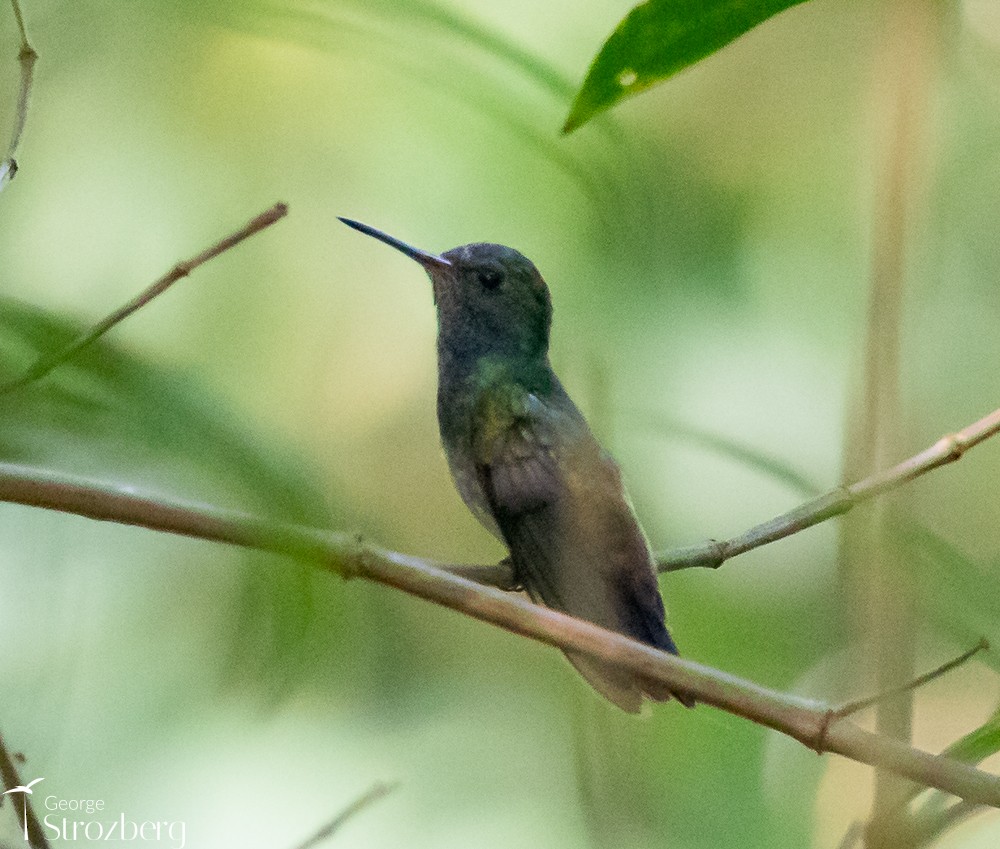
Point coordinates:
[(824, 727), (951, 447)]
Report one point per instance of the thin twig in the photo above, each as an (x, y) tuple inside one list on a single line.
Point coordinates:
[(805, 720), (377, 792), (855, 706), (47, 362), (712, 554), (10, 777), (27, 58)]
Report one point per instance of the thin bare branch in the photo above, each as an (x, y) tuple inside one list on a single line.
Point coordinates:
[(11, 779), (46, 363), (806, 721), (853, 707), (712, 554), (27, 58), (378, 791)]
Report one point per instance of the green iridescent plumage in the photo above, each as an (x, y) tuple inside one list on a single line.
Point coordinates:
[(525, 461)]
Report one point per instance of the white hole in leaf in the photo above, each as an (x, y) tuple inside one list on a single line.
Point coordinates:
[(627, 78)]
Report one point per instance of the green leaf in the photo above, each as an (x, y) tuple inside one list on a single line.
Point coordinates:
[(938, 812), (110, 415), (659, 38), (737, 451), (951, 586), (951, 589), (106, 413), (978, 745)]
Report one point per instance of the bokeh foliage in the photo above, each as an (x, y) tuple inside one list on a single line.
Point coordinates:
[(707, 249)]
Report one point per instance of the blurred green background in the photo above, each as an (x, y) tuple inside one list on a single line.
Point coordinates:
[(708, 248)]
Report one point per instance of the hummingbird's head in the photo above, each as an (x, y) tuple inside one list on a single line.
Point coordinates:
[(490, 298)]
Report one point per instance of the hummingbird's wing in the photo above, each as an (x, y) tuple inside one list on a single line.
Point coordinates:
[(574, 540)]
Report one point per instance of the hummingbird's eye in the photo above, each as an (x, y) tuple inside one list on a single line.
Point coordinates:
[(489, 278)]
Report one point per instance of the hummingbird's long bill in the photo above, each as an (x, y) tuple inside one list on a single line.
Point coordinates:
[(527, 465), (424, 258)]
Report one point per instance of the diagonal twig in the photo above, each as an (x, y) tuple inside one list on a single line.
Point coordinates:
[(804, 720), (859, 705), (712, 554), (372, 795), (26, 57), (47, 362), (11, 779)]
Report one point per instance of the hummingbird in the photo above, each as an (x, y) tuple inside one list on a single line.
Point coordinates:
[(527, 465)]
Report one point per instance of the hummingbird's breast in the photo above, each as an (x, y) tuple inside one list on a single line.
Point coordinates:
[(456, 405), (475, 410), (466, 478)]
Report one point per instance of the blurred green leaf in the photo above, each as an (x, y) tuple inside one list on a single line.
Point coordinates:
[(940, 811), (951, 586), (659, 38), (978, 745), (108, 414), (951, 589), (387, 28), (726, 446)]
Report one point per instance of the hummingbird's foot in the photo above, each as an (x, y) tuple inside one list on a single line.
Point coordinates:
[(515, 584), (500, 576)]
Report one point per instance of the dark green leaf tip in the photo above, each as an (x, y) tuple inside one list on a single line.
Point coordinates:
[(656, 40)]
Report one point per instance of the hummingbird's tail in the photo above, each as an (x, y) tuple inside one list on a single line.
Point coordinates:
[(624, 688), (635, 611), (657, 690), (643, 620), (577, 547), (616, 685)]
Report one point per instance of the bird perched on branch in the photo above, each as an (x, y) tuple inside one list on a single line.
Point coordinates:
[(525, 461)]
